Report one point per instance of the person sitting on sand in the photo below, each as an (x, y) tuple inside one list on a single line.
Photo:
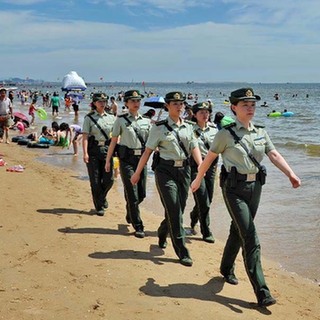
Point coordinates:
[(46, 137), (63, 136)]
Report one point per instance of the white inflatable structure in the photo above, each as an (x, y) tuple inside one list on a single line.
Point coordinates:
[(72, 81)]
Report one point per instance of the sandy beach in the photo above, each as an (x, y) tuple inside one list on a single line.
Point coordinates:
[(59, 261)]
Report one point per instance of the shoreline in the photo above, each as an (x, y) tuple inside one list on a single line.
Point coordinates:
[(60, 261)]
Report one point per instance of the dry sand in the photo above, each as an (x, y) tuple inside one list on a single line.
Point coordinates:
[(58, 261)]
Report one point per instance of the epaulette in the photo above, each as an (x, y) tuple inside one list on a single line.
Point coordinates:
[(159, 123), (190, 122), (230, 125), (212, 125), (258, 126), (123, 115)]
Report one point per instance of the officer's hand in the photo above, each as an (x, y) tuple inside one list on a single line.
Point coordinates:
[(107, 166), (295, 181), (86, 158), (135, 178), (195, 185)]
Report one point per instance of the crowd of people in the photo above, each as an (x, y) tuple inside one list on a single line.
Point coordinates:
[(185, 150)]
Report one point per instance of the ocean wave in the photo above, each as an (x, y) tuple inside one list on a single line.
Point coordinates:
[(312, 150)]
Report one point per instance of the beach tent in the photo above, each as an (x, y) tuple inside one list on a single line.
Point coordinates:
[(72, 81)]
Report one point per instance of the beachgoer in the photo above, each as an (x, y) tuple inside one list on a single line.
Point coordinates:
[(45, 136), (75, 105), (76, 134), (113, 106), (205, 132), (132, 129), (5, 115), (55, 104), (150, 114), (67, 102), (63, 136), (221, 120), (32, 109), (175, 141), (96, 132), (243, 146)]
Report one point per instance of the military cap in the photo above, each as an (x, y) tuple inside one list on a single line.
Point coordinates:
[(174, 96), (3, 89), (133, 95), (201, 106), (243, 94), (99, 97)]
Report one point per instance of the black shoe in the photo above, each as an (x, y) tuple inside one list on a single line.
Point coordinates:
[(106, 204), (162, 243), (269, 301), (209, 239), (186, 261), (139, 234), (100, 212), (231, 279)]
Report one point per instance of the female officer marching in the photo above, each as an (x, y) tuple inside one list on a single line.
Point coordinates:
[(97, 127), (205, 132), (243, 146), (175, 140), (133, 130)]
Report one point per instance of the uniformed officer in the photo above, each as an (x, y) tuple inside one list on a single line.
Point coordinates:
[(175, 141), (132, 129), (241, 183), (205, 132), (97, 127)]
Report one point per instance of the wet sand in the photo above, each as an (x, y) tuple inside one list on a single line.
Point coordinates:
[(59, 261)]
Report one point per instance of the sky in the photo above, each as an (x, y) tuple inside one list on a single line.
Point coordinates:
[(253, 41)]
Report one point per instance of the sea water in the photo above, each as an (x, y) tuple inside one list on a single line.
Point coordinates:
[(288, 220)]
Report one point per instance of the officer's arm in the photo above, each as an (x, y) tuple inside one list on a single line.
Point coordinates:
[(202, 169), (113, 143), (85, 147), (197, 155), (277, 159), (142, 162)]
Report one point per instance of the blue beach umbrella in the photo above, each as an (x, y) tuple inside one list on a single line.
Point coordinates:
[(155, 102)]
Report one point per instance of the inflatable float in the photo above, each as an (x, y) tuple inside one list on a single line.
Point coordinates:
[(17, 138), (274, 114), (287, 114), (23, 142), (42, 114), (37, 145)]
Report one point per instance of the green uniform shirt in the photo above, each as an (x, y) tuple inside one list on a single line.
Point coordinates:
[(205, 137), (256, 140), (105, 121), (127, 133), (167, 142)]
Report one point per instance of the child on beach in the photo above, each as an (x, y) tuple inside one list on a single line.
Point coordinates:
[(46, 137), (63, 136), (32, 110), (76, 137)]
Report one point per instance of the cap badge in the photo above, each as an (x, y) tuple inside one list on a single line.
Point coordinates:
[(176, 96), (135, 94), (249, 93)]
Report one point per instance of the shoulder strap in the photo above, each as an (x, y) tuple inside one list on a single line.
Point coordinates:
[(238, 140), (136, 131), (205, 141), (99, 127), (176, 134)]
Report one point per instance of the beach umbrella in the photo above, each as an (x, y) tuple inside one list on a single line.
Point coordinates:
[(75, 95), (20, 116), (155, 102)]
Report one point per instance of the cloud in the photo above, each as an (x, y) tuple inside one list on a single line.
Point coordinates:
[(240, 49)]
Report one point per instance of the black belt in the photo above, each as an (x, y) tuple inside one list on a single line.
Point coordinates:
[(246, 177), (175, 163), (135, 152)]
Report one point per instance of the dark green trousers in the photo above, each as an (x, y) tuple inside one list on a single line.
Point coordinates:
[(242, 203), (134, 195), (203, 199), (173, 186), (100, 180)]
